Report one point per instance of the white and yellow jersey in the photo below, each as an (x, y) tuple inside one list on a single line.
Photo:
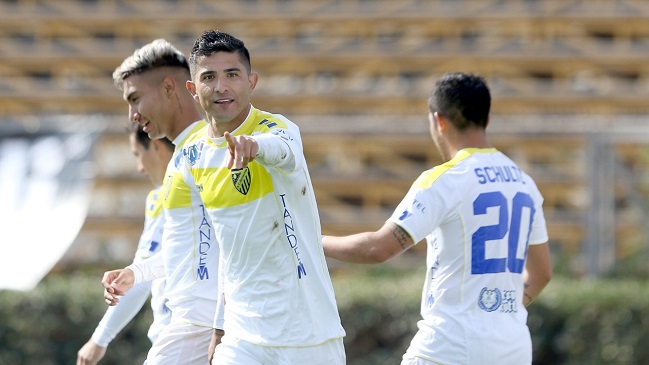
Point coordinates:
[(117, 317), (150, 244), (275, 278), (478, 213), (190, 254), (151, 238)]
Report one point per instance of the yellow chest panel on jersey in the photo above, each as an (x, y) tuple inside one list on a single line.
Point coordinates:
[(221, 187)]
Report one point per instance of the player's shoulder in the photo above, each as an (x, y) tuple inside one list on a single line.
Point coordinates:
[(265, 121), (153, 194), (154, 203), (192, 149), (446, 169), (197, 134)]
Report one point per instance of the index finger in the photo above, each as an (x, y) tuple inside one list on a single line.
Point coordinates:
[(236, 157), (228, 137)]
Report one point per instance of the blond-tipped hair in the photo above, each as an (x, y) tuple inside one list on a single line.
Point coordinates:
[(159, 53)]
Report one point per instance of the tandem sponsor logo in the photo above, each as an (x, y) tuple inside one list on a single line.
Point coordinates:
[(289, 227), (204, 236)]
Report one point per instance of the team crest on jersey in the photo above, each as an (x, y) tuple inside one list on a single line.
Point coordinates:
[(241, 180), (490, 299), (193, 153)]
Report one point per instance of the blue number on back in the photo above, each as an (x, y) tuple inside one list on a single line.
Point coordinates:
[(479, 263)]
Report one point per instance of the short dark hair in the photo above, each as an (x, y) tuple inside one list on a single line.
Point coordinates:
[(461, 98), (212, 41), (159, 53), (142, 137)]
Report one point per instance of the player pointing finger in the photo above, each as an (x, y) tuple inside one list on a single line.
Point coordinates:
[(243, 149)]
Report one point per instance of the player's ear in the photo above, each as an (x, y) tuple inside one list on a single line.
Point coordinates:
[(169, 84), (191, 87), (441, 121), (252, 80)]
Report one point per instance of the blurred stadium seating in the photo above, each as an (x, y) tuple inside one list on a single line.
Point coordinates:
[(569, 79)]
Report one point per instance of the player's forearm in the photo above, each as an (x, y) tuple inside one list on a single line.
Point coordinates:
[(538, 271), (531, 291), (534, 284), (149, 269), (358, 248), (117, 317), (275, 152)]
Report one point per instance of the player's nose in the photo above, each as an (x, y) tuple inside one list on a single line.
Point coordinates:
[(133, 115)]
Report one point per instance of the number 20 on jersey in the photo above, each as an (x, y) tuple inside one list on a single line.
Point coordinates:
[(507, 223)]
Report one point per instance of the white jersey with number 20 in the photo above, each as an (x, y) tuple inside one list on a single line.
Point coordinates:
[(478, 213)]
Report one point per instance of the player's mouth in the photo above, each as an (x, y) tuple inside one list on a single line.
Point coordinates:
[(223, 101)]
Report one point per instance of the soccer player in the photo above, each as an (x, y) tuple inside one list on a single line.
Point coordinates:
[(153, 82), (482, 218), (152, 157), (253, 179)]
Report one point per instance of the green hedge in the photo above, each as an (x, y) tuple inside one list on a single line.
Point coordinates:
[(573, 322), (50, 324), (591, 322)]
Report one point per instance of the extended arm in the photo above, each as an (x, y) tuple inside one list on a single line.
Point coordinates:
[(268, 149), (369, 247), (117, 282), (114, 320), (90, 353), (538, 271), (148, 270)]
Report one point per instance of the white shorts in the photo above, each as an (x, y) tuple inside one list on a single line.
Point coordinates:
[(233, 351), (181, 343)]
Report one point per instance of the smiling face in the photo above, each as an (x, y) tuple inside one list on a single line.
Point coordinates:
[(145, 97), (223, 88)]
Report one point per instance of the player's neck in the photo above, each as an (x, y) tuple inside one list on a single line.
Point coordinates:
[(218, 128), (469, 139), (178, 125)]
